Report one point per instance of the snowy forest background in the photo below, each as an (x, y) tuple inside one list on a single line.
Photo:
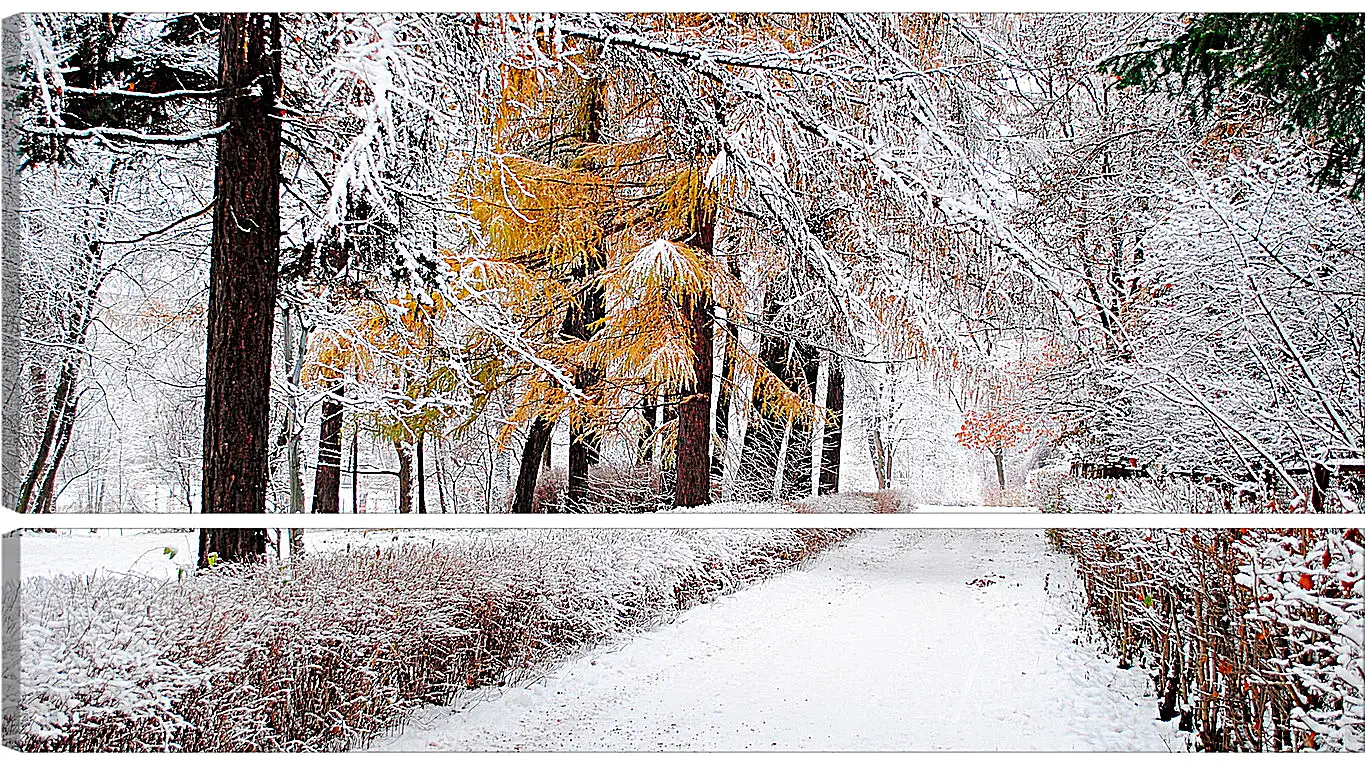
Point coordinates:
[(897, 247)]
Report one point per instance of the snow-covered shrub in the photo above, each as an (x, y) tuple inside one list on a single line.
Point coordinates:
[(613, 488), (1044, 487), (1254, 636), (336, 647)]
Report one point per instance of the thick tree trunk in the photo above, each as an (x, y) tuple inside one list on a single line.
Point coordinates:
[(693, 456), (242, 284), (536, 441), (404, 450), (327, 477), (231, 545), (581, 458), (834, 429)]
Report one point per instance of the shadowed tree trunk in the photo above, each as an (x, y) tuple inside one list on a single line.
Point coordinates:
[(804, 369), (327, 478), (230, 545), (694, 411), (537, 440), (834, 428), (762, 448), (242, 285), (421, 474), (646, 447), (404, 450)]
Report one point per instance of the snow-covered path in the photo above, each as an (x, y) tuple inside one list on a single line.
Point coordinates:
[(899, 640)]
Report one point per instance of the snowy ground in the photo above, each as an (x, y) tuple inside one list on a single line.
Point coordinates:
[(899, 640), (108, 549)]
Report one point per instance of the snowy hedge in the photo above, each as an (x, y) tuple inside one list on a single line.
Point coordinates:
[(1254, 636), (334, 648)]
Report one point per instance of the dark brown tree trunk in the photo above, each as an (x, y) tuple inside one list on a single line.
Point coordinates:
[(693, 456), (834, 428), (441, 478), (536, 441), (547, 461), (582, 450), (231, 545), (355, 470), (242, 285), (404, 476), (421, 474), (327, 478), (646, 450), (796, 483), (48, 498), (1320, 479), (999, 455)]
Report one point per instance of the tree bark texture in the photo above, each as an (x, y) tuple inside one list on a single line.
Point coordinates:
[(537, 440), (327, 477), (804, 371), (404, 450), (693, 487), (833, 442), (242, 282)]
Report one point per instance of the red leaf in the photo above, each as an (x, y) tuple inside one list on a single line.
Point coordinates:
[(1306, 581)]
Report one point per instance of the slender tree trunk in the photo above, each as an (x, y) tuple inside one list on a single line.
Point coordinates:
[(242, 284), (999, 455), (441, 477), (536, 440), (421, 474), (327, 477), (31, 494), (834, 428), (291, 422), (547, 460), (877, 449), (646, 447), (404, 450), (799, 460), (42, 475), (760, 456), (48, 497), (355, 469), (723, 396)]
